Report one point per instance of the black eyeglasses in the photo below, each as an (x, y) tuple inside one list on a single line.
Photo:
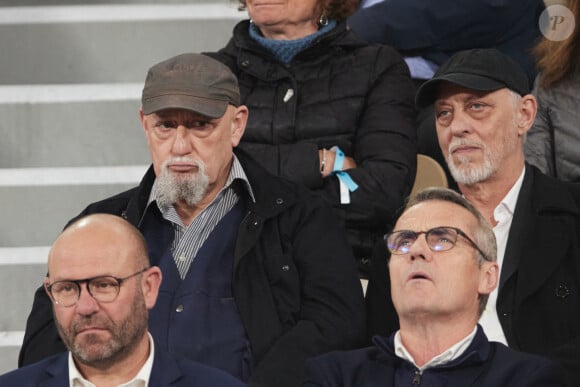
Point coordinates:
[(103, 289), (438, 239)]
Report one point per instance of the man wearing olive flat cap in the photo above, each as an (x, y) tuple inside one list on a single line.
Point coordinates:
[(257, 273)]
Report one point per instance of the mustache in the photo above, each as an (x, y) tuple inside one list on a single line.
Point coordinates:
[(461, 142), (89, 322), (182, 159)]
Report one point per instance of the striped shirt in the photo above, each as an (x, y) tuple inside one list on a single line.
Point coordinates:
[(188, 239)]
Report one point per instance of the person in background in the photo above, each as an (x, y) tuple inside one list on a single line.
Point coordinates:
[(442, 269), (257, 272), (328, 111), (427, 33), (483, 111), (553, 141), (101, 286)]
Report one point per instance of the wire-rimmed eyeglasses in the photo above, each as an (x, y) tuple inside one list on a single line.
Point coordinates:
[(441, 238), (103, 289)]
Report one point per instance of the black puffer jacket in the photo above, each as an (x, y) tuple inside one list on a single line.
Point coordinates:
[(339, 91)]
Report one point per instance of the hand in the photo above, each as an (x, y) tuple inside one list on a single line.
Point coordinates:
[(329, 157), (349, 163)]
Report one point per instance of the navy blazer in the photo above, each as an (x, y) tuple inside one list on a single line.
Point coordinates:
[(483, 364), (166, 371)]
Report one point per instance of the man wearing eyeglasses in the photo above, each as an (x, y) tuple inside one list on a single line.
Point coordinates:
[(101, 287), (442, 269)]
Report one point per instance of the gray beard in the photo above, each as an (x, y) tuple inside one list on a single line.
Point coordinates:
[(463, 171), (170, 189), (466, 174)]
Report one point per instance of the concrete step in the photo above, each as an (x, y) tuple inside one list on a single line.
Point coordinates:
[(39, 202), (105, 43), (23, 269), (9, 352), (17, 304), (71, 125)]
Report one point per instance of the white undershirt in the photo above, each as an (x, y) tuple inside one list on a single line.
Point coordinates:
[(503, 214), (444, 357), (140, 380)]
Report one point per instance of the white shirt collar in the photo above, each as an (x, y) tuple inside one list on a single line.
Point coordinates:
[(140, 380), (444, 357), (505, 209)]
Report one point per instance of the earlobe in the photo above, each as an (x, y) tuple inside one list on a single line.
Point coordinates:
[(150, 285), (142, 118), (490, 277), (239, 124), (46, 283), (527, 113)]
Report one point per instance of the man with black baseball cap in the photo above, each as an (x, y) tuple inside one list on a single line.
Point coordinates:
[(477, 69), (257, 273), (483, 110)]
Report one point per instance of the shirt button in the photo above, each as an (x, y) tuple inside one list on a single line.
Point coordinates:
[(183, 258), (179, 308)]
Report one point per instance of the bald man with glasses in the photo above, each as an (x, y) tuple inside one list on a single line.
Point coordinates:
[(102, 287), (442, 269)]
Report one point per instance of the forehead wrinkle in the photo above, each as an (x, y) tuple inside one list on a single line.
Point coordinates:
[(436, 213)]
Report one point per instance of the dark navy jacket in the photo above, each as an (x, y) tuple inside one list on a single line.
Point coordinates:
[(166, 371), (483, 364)]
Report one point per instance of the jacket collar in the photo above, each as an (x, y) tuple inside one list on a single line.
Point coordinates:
[(138, 201), (273, 195), (477, 352), (165, 370), (464, 369), (551, 198), (57, 369), (547, 211), (258, 61)]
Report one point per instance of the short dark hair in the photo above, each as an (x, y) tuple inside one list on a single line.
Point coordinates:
[(335, 9)]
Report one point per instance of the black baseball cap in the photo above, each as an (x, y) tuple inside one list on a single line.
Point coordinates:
[(477, 69), (193, 82)]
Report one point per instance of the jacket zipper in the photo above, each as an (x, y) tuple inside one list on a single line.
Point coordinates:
[(417, 378)]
